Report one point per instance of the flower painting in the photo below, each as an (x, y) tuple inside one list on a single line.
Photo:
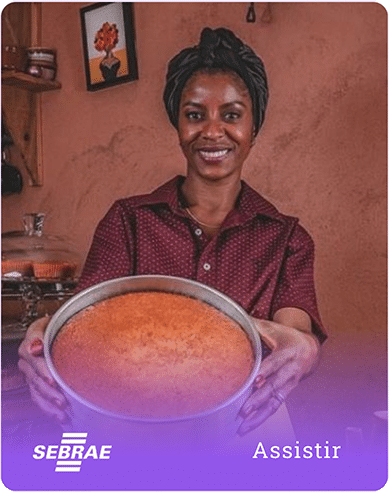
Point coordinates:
[(106, 39), (109, 44)]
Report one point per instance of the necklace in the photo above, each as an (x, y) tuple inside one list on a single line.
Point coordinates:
[(191, 214)]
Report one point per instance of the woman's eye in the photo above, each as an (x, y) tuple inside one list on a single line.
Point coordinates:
[(193, 115), (232, 116)]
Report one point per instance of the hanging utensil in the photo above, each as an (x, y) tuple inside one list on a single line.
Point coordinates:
[(251, 17), (11, 178)]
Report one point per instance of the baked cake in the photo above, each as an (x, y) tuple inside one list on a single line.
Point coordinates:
[(153, 355)]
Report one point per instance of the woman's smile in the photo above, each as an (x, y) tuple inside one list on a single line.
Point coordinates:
[(215, 124), (213, 154)]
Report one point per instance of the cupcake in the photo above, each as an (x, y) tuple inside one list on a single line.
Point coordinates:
[(54, 270), (16, 268)]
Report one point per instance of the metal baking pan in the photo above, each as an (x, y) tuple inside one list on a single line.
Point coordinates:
[(220, 422)]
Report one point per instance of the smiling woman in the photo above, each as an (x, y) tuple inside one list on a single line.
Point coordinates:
[(210, 226)]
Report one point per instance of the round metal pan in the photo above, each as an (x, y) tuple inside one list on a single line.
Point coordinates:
[(219, 422)]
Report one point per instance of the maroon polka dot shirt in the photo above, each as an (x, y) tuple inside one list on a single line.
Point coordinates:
[(261, 259)]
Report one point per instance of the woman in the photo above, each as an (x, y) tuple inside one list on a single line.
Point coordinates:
[(211, 227)]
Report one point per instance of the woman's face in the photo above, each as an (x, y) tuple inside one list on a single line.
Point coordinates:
[(215, 125)]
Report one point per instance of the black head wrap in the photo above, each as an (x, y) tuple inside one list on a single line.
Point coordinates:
[(219, 49)]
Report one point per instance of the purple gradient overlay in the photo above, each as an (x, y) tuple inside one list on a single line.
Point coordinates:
[(162, 468)]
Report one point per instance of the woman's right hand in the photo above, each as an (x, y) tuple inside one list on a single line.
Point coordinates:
[(44, 390)]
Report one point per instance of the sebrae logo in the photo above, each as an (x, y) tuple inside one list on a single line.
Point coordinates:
[(71, 452)]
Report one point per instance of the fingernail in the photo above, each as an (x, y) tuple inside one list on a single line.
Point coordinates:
[(36, 342), (259, 385), (252, 414), (242, 431), (35, 348), (61, 419), (246, 411), (59, 403), (50, 381)]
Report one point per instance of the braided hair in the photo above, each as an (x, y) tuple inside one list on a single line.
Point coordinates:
[(218, 50)]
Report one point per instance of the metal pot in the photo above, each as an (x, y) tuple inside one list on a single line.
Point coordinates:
[(212, 426)]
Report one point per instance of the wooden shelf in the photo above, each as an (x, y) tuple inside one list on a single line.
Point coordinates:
[(28, 82)]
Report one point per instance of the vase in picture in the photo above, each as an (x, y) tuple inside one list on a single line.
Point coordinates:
[(109, 66)]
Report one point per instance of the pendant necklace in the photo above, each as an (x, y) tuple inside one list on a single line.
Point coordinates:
[(191, 214)]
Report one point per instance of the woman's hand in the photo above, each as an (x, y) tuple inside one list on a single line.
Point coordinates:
[(295, 353), (44, 390)]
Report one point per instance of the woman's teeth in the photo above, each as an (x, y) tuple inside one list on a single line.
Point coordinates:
[(208, 154)]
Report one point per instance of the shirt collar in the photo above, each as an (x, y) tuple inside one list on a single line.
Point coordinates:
[(249, 203), (167, 194)]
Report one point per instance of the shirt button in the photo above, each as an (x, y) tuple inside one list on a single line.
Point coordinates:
[(207, 266), (198, 232)]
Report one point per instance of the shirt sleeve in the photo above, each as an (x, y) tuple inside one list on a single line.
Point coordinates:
[(111, 252), (295, 286)]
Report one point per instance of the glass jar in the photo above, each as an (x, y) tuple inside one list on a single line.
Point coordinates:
[(42, 63)]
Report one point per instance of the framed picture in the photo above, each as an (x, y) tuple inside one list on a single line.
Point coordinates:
[(108, 37)]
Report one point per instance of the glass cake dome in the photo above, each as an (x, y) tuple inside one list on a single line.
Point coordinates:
[(33, 254)]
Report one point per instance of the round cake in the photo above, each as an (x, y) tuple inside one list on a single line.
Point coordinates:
[(153, 355)]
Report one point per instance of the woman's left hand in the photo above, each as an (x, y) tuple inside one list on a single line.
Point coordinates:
[(295, 353)]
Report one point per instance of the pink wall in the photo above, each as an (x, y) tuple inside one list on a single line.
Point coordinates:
[(321, 156)]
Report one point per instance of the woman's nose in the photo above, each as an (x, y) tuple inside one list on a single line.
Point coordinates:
[(213, 129)]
